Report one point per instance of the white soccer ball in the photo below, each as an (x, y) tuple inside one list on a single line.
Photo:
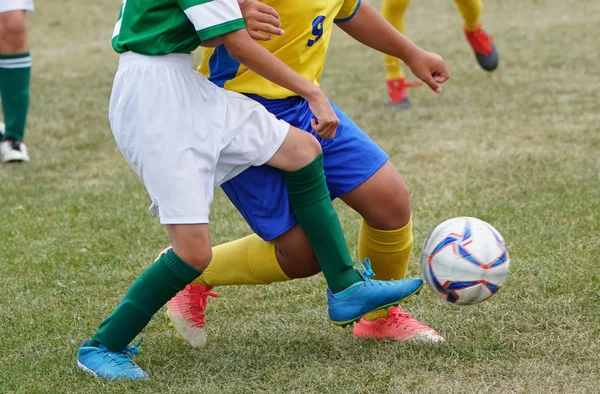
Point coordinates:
[(464, 260)]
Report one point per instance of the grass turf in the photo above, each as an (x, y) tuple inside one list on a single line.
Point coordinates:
[(517, 147)]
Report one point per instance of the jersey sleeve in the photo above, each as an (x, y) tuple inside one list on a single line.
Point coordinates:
[(348, 10), (213, 18)]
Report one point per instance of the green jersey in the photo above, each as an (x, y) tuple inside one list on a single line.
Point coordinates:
[(158, 27)]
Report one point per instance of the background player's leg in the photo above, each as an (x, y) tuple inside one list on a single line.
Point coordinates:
[(15, 71), (393, 11), (471, 12), (482, 44)]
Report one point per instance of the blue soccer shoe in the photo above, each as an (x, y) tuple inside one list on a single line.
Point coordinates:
[(102, 362), (348, 306)]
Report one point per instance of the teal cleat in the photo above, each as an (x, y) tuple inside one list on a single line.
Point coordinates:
[(104, 363), (348, 306)]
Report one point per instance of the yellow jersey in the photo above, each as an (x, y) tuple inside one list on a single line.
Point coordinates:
[(303, 47)]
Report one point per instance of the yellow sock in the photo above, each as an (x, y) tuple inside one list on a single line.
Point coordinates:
[(471, 12), (388, 250), (393, 11), (245, 261)]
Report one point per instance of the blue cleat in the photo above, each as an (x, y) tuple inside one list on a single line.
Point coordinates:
[(102, 362), (349, 305)]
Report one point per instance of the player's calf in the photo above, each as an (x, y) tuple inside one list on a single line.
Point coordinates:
[(295, 255)]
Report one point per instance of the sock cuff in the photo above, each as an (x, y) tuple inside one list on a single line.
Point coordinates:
[(310, 171), (387, 241), (180, 268), (471, 27), (21, 60), (371, 231)]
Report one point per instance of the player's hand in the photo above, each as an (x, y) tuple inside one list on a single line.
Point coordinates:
[(429, 68), (325, 122), (262, 21)]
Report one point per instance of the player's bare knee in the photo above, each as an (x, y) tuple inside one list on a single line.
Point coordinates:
[(395, 208), (198, 257), (13, 32), (313, 146), (383, 200), (306, 150), (191, 242), (298, 149)]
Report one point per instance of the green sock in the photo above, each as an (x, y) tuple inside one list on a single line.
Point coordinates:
[(150, 291), (314, 211), (15, 72)]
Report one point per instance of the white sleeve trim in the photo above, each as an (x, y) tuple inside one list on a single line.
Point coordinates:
[(213, 13)]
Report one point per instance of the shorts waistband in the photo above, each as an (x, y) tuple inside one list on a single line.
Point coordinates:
[(175, 60), (277, 105)]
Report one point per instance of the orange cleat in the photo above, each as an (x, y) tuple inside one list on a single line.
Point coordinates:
[(399, 326), (398, 92), (484, 48), (186, 311)]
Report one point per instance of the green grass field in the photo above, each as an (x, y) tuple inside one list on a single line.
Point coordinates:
[(519, 148)]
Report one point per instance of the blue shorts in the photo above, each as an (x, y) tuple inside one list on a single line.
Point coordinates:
[(260, 193)]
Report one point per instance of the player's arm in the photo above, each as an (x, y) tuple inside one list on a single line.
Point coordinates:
[(217, 20), (245, 50), (369, 27)]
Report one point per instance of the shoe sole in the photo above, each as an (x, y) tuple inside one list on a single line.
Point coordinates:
[(404, 104), (383, 307), (490, 61), (424, 339), (85, 369), (177, 335), (172, 326)]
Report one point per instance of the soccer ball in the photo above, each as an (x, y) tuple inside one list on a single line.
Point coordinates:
[(464, 260)]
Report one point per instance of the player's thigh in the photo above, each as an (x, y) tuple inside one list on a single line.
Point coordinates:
[(260, 195), (359, 172), (382, 200), (252, 135), (161, 124), (191, 242)]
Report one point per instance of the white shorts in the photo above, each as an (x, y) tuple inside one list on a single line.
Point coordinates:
[(16, 5), (183, 135)]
